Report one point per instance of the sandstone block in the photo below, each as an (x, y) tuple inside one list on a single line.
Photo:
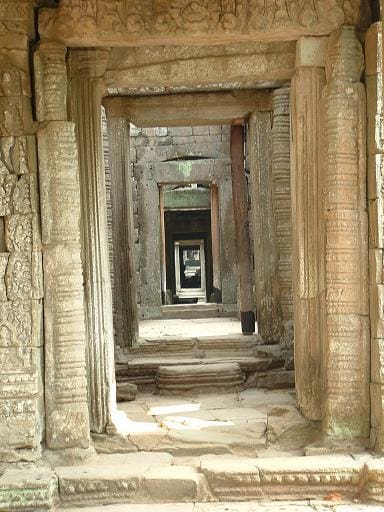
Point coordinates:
[(23, 277), (187, 377), (28, 489), (18, 155), (126, 392), (59, 183), (3, 267), (22, 233), (375, 172), (373, 49), (25, 195), (310, 51), (7, 185)]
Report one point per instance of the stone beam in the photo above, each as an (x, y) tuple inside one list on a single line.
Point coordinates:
[(194, 109), (195, 67), (130, 23)]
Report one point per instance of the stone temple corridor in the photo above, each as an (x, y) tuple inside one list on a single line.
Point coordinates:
[(191, 255)]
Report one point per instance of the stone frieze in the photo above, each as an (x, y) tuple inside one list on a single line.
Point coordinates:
[(128, 22)]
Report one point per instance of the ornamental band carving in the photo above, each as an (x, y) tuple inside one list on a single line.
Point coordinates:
[(100, 22)]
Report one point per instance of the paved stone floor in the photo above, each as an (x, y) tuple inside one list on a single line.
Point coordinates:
[(155, 329), (253, 422), (281, 506)]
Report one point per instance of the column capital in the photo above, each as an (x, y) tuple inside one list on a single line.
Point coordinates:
[(310, 52)]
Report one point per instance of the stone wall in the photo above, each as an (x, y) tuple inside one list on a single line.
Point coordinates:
[(176, 155)]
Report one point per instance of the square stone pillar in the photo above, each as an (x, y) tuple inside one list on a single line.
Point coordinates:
[(281, 196), (375, 153), (125, 311), (66, 395), (308, 256), (86, 66), (347, 403), (265, 245)]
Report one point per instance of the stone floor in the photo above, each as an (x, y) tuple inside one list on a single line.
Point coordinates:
[(282, 506), (155, 329), (252, 423)]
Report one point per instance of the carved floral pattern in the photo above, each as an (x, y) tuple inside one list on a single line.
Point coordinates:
[(128, 20)]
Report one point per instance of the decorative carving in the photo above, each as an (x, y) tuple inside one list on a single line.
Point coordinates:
[(102, 22), (281, 195), (7, 184), (51, 81), (22, 233), (347, 361), (24, 275), (59, 183), (16, 17), (66, 380), (18, 155), (25, 195), (3, 290)]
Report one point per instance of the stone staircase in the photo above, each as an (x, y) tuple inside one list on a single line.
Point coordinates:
[(143, 478), (263, 364)]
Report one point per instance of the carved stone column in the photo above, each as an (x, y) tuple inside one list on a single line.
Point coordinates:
[(21, 291), (265, 252), (281, 195), (308, 225), (347, 405), (85, 92), (66, 399), (375, 150), (126, 324)]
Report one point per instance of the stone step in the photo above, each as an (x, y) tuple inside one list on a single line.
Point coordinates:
[(193, 311), (141, 479), (184, 377), (142, 371)]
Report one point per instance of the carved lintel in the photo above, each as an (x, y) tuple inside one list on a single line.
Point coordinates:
[(110, 22)]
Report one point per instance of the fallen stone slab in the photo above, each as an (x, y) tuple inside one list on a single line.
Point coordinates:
[(199, 376), (28, 489)]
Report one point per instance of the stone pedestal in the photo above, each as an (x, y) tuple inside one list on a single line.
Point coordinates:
[(265, 251), (125, 313), (308, 236), (346, 414), (85, 68), (375, 151)]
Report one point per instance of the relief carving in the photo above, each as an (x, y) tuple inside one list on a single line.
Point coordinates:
[(20, 324), (22, 233), (59, 183), (3, 290), (18, 155), (7, 185), (23, 277), (126, 20), (25, 195), (16, 17)]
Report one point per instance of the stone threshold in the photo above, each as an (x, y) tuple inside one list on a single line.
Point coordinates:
[(143, 478)]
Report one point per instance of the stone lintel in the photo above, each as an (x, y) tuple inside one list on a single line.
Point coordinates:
[(310, 51), (188, 109)]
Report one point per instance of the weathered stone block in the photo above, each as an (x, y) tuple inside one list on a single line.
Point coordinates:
[(310, 51), (375, 176), (25, 195), (377, 310), (3, 267), (22, 233), (375, 130), (376, 266), (65, 376), (377, 360), (7, 185), (18, 155), (373, 49), (28, 489), (20, 324), (51, 82), (59, 183), (24, 276), (376, 223)]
